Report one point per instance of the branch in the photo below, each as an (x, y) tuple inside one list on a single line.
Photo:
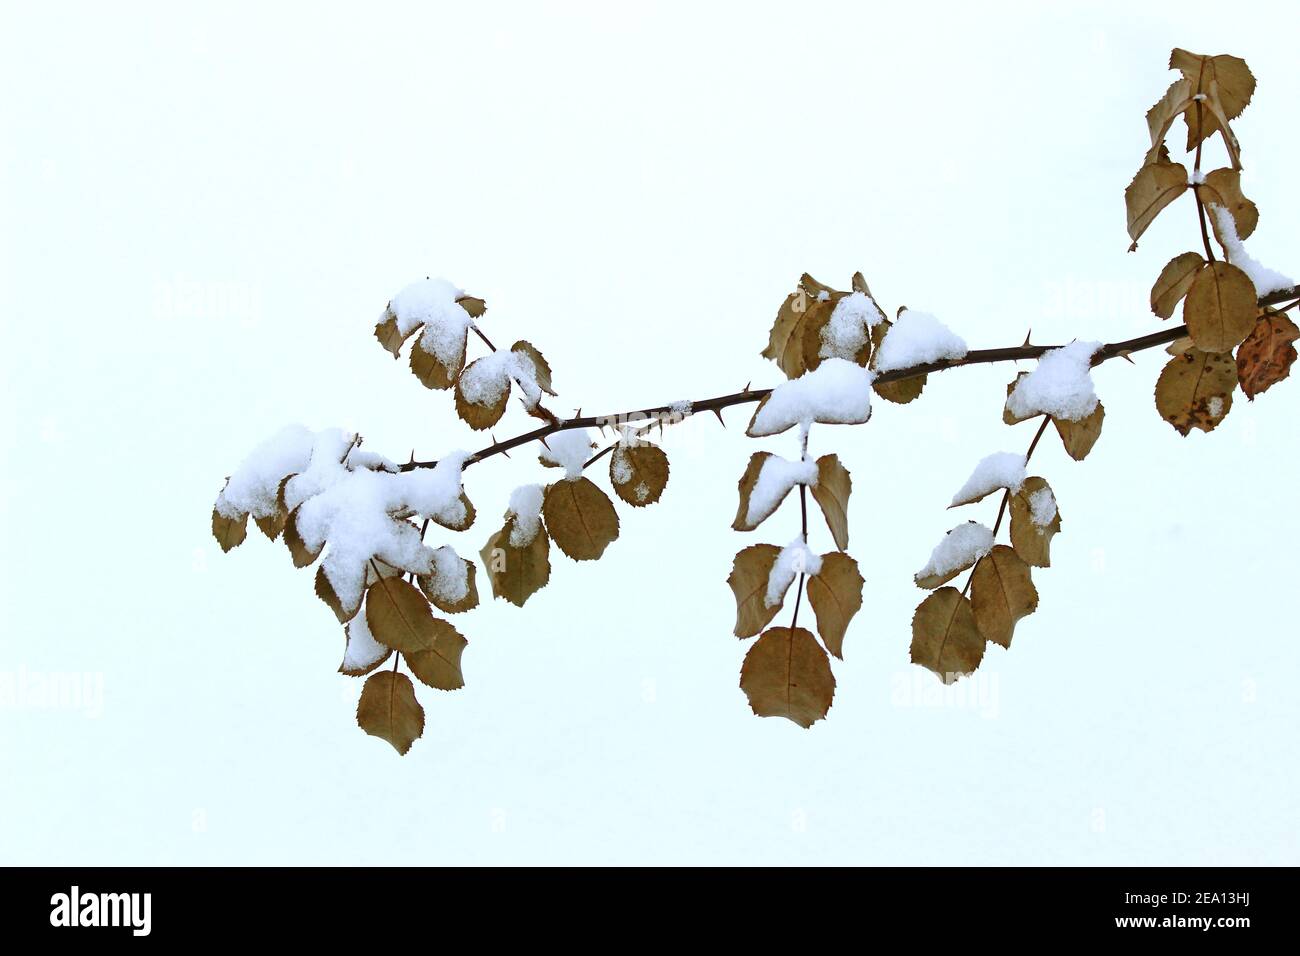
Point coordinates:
[(747, 395)]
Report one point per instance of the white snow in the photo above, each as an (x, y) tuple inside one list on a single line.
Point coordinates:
[(362, 649), (1197, 177), (569, 450), (1266, 280), (432, 303), (620, 469), (1042, 507), (849, 326), (526, 507), (253, 487), (680, 409), (1002, 469), (917, 338), (1061, 385), (435, 492), (795, 558), (1216, 406), (837, 392), (960, 548), (449, 578), (330, 448), (775, 479)]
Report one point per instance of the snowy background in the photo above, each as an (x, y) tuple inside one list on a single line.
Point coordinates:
[(203, 215)]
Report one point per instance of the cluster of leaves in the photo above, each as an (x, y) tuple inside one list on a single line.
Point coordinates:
[(1219, 301)]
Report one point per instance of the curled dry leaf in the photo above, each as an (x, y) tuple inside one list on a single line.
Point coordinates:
[(787, 674), (325, 591), (785, 344), (638, 473), (1079, 437), (541, 370), (745, 488), (229, 532), (1174, 282), (271, 525), (1222, 187), (1030, 535), (835, 593), (432, 371), (467, 519), (428, 584), (301, 554), (1266, 357), (398, 615), (748, 581), (1234, 85), (834, 485), (1195, 390), (387, 333), (517, 572), (1007, 415), (1161, 116), (1220, 308), (438, 665), (945, 639), (904, 390), (361, 652), (580, 517), (1002, 592), (388, 709), (1154, 187)]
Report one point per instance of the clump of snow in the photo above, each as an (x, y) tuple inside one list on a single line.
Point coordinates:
[(254, 486), (1002, 469), (960, 548), (526, 507), (569, 450), (1266, 280), (436, 492), (432, 303), (449, 578), (331, 454), (620, 469), (775, 479), (795, 558), (1061, 385), (849, 327), (641, 492), (917, 338), (1042, 507), (488, 378), (680, 409), (362, 649), (836, 392), (1216, 406), (1197, 177)]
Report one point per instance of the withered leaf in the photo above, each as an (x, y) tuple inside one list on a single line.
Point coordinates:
[(1079, 437), (541, 370), (1220, 307), (388, 709), (387, 333), (904, 390), (431, 370), (744, 521), (301, 554), (361, 652), (474, 306), (785, 344), (835, 593), (1266, 356), (1154, 187), (1007, 415), (476, 416), (1222, 187), (435, 592), (945, 639), (516, 572), (580, 517), (325, 591), (787, 674), (398, 615), (229, 532), (834, 485), (1031, 538), (1174, 281), (438, 665), (1002, 592), (468, 515), (748, 581), (638, 473), (1161, 116), (1233, 79), (1195, 390)]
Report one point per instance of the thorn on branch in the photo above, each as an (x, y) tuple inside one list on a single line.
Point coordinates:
[(718, 412)]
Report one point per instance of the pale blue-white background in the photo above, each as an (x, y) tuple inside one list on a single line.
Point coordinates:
[(203, 213)]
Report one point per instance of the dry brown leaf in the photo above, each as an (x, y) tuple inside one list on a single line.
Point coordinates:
[(1220, 308), (1235, 86), (1154, 187), (398, 615), (644, 470), (1007, 416), (541, 370), (787, 674), (325, 591), (388, 335), (745, 488), (1031, 540), (301, 554), (1179, 346), (835, 593), (1195, 390), (476, 416), (834, 485), (388, 709), (748, 580), (229, 532), (360, 670), (474, 306), (466, 520), (1266, 356), (438, 665), (1079, 437), (1161, 116), (429, 585), (516, 573), (904, 390), (432, 371), (1174, 281), (580, 517), (945, 639), (1002, 592), (1222, 187)]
